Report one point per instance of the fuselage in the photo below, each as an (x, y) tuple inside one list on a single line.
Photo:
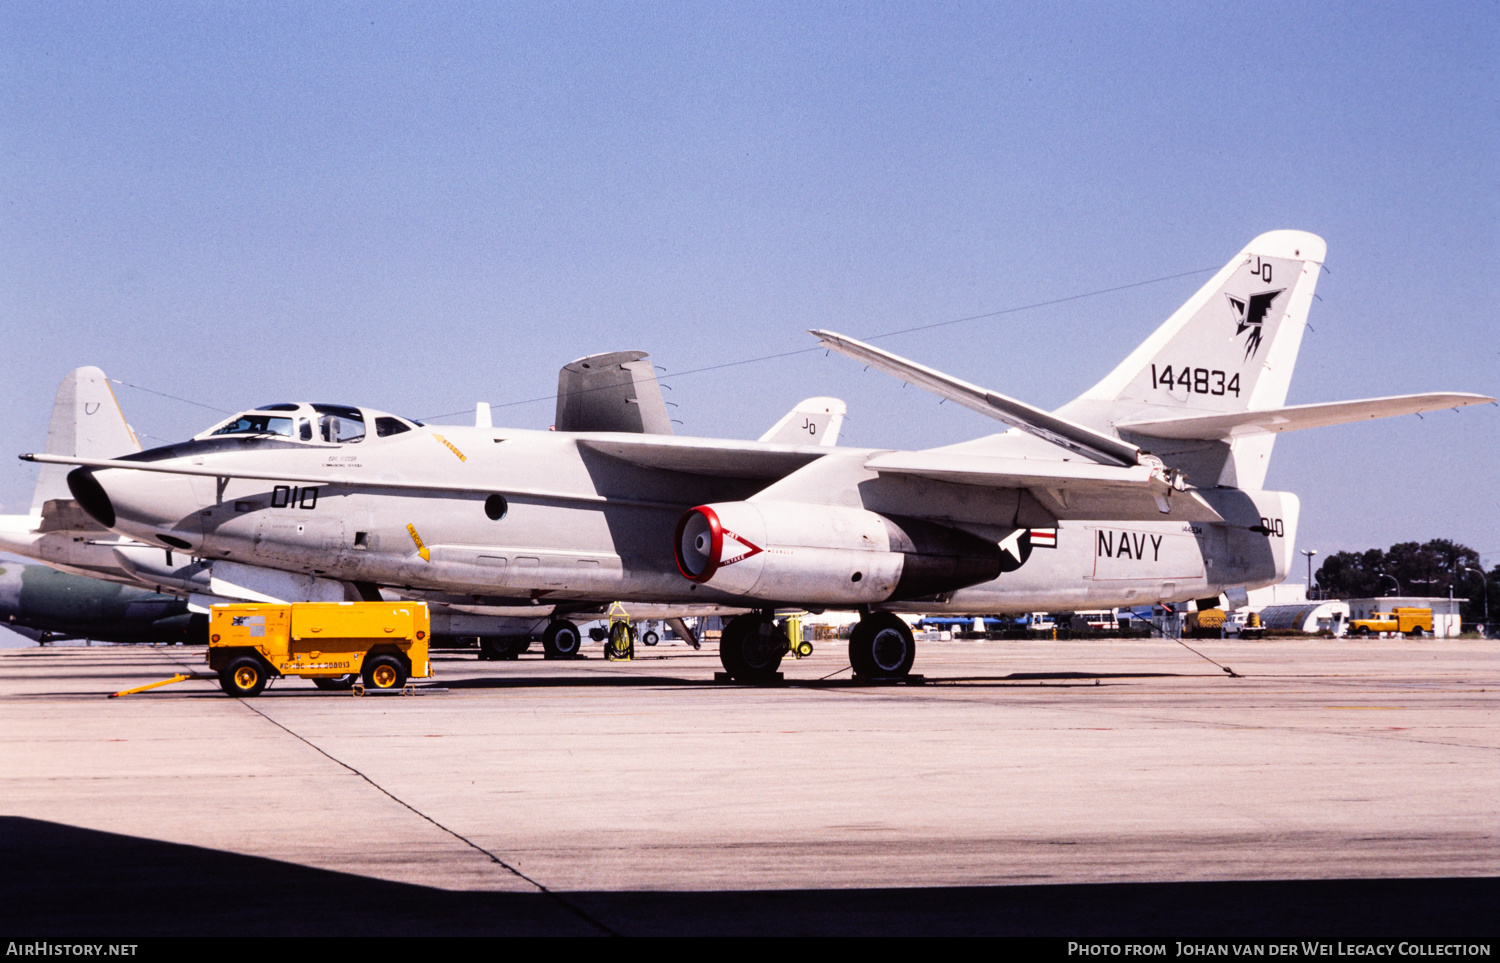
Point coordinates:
[(510, 516)]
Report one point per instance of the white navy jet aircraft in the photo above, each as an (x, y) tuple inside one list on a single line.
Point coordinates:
[(601, 391), (1146, 488)]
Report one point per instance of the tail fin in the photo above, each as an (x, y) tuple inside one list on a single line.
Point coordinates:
[(616, 391), (1230, 348), (814, 421), (86, 422)]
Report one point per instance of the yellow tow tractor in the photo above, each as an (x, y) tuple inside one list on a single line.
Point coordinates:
[(336, 644), (1407, 621), (1206, 623)]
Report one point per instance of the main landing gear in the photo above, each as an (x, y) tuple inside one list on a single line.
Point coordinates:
[(751, 647), (881, 647)]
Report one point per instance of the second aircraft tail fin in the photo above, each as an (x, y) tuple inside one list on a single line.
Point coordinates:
[(86, 422), (814, 421)]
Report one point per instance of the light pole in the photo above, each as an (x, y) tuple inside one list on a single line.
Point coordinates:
[(1309, 552), (1392, 578), (1484, 586)]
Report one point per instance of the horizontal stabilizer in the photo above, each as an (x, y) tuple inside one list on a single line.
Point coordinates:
[(815, 421), (1066, 489), (1043, 424), (1236, 424)]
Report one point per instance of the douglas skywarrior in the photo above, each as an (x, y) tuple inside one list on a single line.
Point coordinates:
[(1146, 488)]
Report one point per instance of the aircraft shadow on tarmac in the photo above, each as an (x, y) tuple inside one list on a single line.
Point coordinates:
[(63, 881), (538, 681)]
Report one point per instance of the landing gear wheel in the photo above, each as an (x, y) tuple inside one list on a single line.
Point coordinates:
[(385, 672), (621, 644), (751, 648), (561, 640), (335, 683), (881, 646), (499, 647), (243, 677), (650, 637)]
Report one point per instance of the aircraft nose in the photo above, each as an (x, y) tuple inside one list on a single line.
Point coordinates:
[(91, 496)]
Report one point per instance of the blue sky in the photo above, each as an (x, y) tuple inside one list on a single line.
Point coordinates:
[(417, 207)]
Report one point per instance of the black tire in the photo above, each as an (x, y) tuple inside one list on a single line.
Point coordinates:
[(384, 672), (335, 683), (244, 676), (650, 637), (750, 654), (561, 640), (882, 646), (493, 648), (520, 645)]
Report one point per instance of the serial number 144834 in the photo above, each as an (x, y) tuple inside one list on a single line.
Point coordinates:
[(1202, 381)]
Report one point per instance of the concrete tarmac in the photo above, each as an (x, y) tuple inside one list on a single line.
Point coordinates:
[(1069, 788)]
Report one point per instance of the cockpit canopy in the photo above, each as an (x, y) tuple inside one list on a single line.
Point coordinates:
[(315, 424)]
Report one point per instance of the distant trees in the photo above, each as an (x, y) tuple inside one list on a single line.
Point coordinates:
[(1430, 568)]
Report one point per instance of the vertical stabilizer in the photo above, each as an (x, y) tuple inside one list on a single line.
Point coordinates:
[(814, 421), (86, 422), (1230, 348)]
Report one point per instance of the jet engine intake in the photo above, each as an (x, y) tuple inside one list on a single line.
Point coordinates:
[(826, 554)]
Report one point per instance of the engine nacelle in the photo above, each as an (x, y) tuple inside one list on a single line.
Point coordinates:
[(828, 555)]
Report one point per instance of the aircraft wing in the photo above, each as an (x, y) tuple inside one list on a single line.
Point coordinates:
[(702, 456), (1067, 489), (1297, 417), (1059, 431), (697, 456)]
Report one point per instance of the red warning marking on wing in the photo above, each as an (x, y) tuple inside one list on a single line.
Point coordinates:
[(736, 543)]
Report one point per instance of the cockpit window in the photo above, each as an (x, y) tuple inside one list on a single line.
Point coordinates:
[(386, 426), (340, 424), (280, 407), (253, 423)]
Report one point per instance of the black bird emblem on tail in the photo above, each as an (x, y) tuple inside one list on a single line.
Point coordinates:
[(1251, 315)]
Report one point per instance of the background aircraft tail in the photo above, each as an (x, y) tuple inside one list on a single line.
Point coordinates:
[(86, 422), (814, 421), (1231, 348)]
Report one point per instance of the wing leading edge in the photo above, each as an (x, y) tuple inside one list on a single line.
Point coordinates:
[(1062, 432)]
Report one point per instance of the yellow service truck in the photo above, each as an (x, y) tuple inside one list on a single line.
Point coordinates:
[(332, 643), (1407, 621)]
